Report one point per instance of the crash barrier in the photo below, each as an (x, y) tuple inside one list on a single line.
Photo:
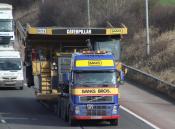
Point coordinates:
[(150, 81)]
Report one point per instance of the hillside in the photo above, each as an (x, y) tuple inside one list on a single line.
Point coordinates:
[(131, 13), (160, 63)]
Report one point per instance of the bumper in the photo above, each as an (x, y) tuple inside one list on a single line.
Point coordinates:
[(16, 83), (96, 117)]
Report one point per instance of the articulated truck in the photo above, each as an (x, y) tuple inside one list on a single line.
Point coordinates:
[(74, 69)]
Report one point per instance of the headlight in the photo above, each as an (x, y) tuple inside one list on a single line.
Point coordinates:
[(77, 110), (1, 76), (20, 77), (114, 111)]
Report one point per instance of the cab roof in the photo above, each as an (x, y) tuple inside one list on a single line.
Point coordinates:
[(9, 54), (5, 6)]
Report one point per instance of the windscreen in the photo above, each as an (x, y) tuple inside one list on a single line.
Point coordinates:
[(110, 45), (10, 64), (5, 40), (6, 26), (91, 78)]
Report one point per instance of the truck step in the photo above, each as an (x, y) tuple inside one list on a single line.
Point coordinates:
[(45, 76), (45, 67), (48, 73), (45, 70), (45, 79), (46, 92), (45, 88), (45, 83)]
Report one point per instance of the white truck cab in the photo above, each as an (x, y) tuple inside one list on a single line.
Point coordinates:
[(6, 21), (11, 69)]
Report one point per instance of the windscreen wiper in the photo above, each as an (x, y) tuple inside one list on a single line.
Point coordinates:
[(96, 98)]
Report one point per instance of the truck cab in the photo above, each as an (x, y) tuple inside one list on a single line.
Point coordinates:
[(6, 21), (93, 88)]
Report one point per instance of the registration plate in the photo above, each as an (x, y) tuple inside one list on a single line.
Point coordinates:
[(96, 117), (9, 83)]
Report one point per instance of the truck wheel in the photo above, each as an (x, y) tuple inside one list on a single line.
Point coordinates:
[(114, 122), (58, 111), (66, 116), (21, 88), (70, 120)]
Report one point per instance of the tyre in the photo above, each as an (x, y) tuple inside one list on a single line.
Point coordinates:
[(114, 122), (70, 120), (67, 116), (58, 110), (21, 88)]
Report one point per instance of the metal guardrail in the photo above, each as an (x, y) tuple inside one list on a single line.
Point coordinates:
[(20, 29), (151, 81)]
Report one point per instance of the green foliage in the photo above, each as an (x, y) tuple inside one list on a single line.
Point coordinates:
[(167, 2)]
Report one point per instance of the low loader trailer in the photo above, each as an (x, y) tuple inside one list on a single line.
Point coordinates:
[(55, 58)]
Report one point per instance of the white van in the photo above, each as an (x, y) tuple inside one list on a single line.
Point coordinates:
[(11, 69), (6, 21)]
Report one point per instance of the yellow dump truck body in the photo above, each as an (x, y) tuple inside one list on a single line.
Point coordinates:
[(61, 39)]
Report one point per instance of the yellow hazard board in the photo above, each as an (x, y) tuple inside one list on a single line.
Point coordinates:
[(43, 31), (89, 63), (95, 91), (115, 31)]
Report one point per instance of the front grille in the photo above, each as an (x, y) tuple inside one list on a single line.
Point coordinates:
[(6, 78), (13, 78), (96, 113), (9, 78), (96, 99), (97, 110)]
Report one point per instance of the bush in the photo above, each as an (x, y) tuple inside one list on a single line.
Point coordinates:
[(163, 17), (63, 13), (18, 3)]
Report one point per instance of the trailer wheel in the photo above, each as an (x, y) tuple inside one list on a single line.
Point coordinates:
[(114, 122), (20, 88), (70, 120), (58, 110)]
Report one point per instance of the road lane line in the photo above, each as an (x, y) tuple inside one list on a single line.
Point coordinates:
[(139, 117)]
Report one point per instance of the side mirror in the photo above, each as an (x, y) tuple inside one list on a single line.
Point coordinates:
[(66, 77), (24, 64)]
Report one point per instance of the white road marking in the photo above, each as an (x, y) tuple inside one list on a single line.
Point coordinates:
[(3, 121), (139, 117)]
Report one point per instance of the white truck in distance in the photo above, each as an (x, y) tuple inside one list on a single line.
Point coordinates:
[(6, 21), (11, 69)]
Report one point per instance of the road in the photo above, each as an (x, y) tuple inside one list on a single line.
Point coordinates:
[(20, 110), (149, 104)]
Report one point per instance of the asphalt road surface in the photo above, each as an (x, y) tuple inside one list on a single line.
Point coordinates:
[(149, 104), (20, 110)]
